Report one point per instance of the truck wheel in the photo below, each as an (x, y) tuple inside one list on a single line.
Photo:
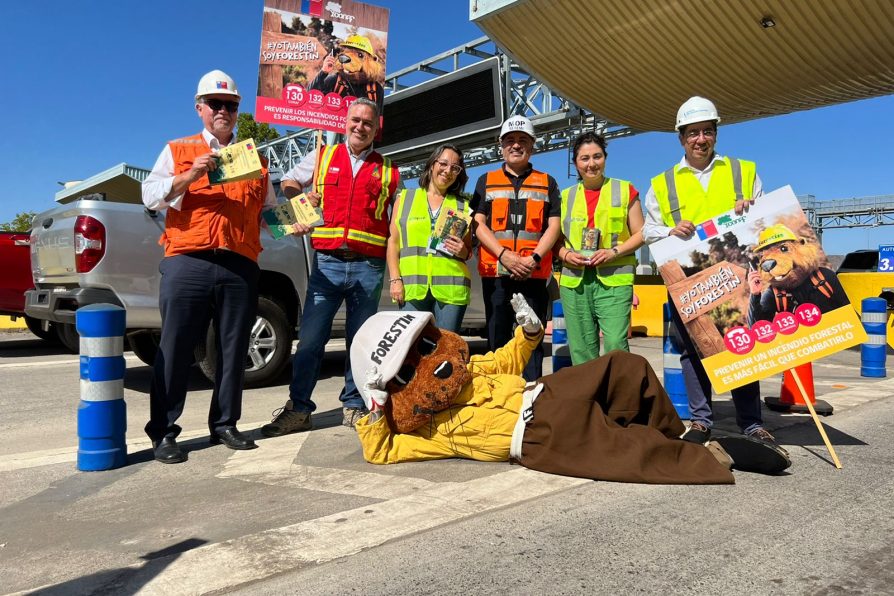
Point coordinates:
[(68, 336), (41, 328), (144, 345), (270, 345)]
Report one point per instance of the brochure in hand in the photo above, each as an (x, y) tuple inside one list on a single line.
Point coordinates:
[(450, 222), (298, 209), (239, 161), (589, 242)]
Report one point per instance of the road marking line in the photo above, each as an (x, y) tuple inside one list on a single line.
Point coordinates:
[(341, 534), (73, 360), (61, 455)]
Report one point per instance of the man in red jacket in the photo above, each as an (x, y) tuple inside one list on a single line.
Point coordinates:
[(354, 186)]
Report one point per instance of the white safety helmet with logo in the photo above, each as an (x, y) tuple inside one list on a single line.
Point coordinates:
[(696, 109), (517, 124), (217, 82)]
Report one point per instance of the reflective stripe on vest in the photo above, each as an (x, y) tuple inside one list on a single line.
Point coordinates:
[(692, 202), (610, 218), (448, 278)]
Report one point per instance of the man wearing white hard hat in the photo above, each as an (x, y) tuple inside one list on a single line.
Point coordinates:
[(701, 186), (517, 220), (211, 243)]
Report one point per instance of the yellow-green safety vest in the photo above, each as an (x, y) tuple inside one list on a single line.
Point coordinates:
[(681, 196), (447, 277), (610, 218)]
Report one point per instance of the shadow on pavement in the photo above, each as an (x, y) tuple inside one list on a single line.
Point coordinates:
[(125, 579)]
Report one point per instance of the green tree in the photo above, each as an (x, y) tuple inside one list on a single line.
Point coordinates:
[(21, 223), (247, 128)]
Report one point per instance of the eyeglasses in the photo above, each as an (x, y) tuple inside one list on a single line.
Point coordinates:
[(446, 165), (215, 105), (709, 133)]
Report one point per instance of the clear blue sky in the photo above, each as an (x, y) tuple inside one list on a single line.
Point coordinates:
[(87, 85)]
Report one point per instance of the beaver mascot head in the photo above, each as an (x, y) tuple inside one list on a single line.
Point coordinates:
[(359, 64), (786, 261), (421, 368)]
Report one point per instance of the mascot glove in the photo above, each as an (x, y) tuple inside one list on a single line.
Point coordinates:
[(525, 315), (375, 396)]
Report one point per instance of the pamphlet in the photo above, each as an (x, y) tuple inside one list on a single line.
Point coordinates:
[(239, 161), (589, 242), (298, 209), (450, 222)]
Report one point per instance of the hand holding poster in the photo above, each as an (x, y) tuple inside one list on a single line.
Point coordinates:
[(315, 61), (756, 293)]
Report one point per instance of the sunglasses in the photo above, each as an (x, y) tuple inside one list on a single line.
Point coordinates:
[(218, 104), (425, 347)]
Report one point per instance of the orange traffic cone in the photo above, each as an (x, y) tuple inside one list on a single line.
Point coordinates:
[(790, 397)]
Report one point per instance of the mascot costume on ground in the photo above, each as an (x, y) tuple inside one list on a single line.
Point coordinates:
[(355, 71), (607, 419), (788, 275)]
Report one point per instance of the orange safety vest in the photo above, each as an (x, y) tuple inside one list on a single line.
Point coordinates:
[(355, 208), (533, 196), (213, 216)]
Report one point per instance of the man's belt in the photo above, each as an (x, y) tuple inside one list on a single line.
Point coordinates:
[(344, 254)]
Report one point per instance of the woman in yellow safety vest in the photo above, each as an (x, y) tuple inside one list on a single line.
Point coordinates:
[(427, 267), (601, 224)]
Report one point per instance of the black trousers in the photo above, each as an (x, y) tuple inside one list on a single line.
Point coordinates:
[(501, 316), (196, 288)]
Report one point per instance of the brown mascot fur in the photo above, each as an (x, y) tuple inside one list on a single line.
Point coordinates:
[(791, 275), (431, 377), (357, 73)]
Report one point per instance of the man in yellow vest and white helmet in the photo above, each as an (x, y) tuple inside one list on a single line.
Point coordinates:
[(701, 186)]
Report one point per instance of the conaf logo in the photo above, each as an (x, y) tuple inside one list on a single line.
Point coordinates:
[(335, 12)]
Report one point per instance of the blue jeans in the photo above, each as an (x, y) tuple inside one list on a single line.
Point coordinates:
[(447, 316), (746, 399), (332, 281)]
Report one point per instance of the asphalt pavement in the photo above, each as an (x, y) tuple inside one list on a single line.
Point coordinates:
[(304, 513)]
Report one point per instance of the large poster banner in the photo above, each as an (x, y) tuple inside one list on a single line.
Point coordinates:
[(315, 61), (756, 293)]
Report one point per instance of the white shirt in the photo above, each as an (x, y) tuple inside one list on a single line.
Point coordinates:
[(303, 173), (654, 228), (157, 185)]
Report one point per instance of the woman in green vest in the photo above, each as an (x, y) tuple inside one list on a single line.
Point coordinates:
[(427, 267), (601, 224)]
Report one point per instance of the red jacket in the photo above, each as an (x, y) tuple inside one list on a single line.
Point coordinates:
[(355, 209)]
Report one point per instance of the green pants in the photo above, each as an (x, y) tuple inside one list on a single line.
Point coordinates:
[(592, 307)]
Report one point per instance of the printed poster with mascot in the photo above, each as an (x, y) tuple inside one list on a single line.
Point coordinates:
[(316, 57), (756, 292)]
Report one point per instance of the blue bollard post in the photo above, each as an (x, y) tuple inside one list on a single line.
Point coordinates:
[(102, 413), (561, 353), (673, 373), (874, 351)]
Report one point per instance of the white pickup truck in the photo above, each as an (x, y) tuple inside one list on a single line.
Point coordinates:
[(101, 246)]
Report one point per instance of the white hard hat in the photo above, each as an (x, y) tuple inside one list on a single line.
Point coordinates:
[(696, 109), (217, 82), (517, 124)]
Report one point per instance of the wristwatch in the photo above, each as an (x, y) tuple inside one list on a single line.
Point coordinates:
[(537, 258), (616, 251)]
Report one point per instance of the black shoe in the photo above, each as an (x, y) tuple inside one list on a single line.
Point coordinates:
[(167, 451), (753, 455), (697, 433), (232, 438)]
